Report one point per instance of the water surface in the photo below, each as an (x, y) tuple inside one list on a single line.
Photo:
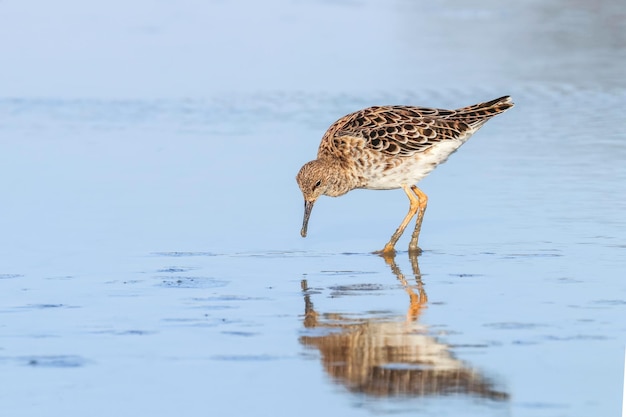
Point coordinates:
[(152, 262)]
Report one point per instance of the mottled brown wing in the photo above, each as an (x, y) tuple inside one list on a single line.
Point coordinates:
[(395, 130)]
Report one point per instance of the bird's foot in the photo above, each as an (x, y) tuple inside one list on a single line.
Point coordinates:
[(414, 250), (388, 252)]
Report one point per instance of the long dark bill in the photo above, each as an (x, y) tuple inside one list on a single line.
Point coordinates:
[(308, 206)]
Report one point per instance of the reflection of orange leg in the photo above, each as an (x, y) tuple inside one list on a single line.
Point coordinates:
[(413, 209), (310, 315), (417, 301), (422, 203)]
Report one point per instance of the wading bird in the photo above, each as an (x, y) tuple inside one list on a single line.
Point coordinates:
[(388, 147)]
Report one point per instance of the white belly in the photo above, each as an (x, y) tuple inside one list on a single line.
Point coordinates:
[(412, 169)]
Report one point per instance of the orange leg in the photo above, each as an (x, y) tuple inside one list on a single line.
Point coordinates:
[(423, 202), (414, 207)]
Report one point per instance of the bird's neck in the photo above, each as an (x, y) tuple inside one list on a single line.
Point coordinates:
[(341, 179)]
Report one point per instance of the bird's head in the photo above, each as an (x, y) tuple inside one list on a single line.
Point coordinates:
[(313, 182), (316, 178)]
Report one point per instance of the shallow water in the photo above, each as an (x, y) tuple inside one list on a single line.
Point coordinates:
[(152, 263)]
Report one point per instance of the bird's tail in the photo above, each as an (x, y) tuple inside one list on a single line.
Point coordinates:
[(478, 114)]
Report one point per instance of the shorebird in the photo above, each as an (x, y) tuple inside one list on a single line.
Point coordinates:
[(388, 147)]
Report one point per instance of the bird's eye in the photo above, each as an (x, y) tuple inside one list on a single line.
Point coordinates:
[(317, 184)]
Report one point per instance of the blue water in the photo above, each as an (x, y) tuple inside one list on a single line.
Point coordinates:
[(152, 263)]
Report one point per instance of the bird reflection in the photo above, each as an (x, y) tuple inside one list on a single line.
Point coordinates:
[(383, 357)]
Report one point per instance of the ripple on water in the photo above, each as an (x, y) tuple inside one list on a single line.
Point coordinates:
[(11, 276), (204, 321), (514, 325), (532, 255), (610, 302), (346, 272), (130, 332), (466, 275), (354, 289), (176, 269), (182, 254), (45, 306), (134, 332), (239, 333), (227, 298), (181, 281), (52, 361), (574, 337), (245, 358)]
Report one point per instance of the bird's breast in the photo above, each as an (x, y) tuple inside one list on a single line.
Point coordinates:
[(388, 172)]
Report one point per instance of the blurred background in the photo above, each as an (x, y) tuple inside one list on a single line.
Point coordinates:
[(151, 260), (153, 48)]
